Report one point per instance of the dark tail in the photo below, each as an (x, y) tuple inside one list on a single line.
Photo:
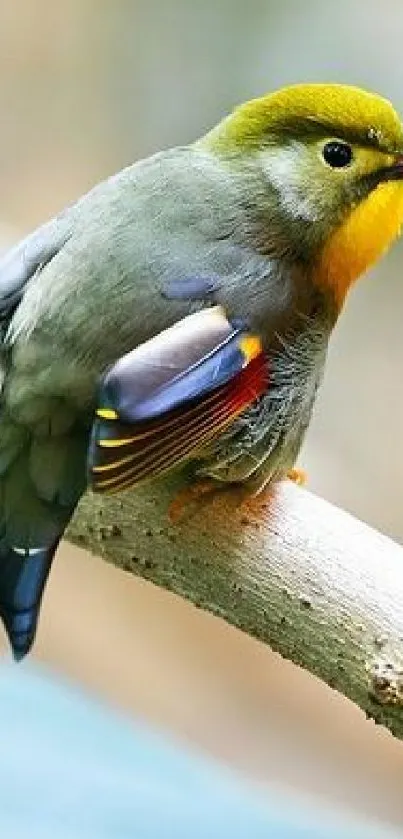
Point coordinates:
[(23, 577), (41, 480)]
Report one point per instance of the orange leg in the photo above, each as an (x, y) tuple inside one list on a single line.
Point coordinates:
[(251, 494), (298, 476), (190, 494), (259, 494)]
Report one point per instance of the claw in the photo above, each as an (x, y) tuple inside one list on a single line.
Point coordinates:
[(190, 494), (297, 476)]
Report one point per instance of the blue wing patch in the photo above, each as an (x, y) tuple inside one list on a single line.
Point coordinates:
[(192, 288)]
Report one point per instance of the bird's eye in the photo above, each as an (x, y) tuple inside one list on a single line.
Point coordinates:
[(337, 154)]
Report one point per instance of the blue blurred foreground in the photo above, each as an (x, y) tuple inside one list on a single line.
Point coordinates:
[(71, 769)]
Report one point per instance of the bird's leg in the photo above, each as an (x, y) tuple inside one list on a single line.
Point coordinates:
[(258, 490), (297, 476), (254, 493), (190, 494)]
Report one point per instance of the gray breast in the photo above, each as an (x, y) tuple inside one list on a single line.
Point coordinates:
[(264, 442)]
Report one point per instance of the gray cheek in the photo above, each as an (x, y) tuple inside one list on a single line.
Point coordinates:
[(299, 204), (286, 170)]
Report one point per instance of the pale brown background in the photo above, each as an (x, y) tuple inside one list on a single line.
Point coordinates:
[(87, 86)]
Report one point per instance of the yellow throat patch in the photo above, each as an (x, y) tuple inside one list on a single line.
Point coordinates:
[(362, 238), (373, 224)]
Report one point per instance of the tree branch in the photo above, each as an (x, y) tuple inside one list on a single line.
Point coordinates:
[(320, 587)]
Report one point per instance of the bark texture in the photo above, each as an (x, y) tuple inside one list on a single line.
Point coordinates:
[(318, 586)]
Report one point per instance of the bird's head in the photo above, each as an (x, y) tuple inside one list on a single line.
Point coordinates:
[(332, 159)]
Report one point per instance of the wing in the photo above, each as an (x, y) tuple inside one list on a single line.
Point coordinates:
[(34, 469), (21, 263), (167, 399)]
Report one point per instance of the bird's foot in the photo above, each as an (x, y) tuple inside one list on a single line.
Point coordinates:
[(253, 495), (258, 493), (297, 476), (190, 494)]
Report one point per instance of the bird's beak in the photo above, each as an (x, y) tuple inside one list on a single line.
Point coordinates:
[(393, 172)]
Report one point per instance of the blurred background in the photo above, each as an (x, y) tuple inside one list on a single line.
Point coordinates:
[(86, 87)]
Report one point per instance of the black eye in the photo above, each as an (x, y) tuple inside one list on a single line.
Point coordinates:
[(337, 154)]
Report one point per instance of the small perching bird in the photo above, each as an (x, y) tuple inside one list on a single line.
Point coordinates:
[(179, 314)]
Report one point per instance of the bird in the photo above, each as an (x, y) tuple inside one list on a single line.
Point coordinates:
[(178, 315)]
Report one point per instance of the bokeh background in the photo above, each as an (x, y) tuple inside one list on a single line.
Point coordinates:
[(86, 87)]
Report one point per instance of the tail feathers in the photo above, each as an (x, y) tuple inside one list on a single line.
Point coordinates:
[(23, 575)]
